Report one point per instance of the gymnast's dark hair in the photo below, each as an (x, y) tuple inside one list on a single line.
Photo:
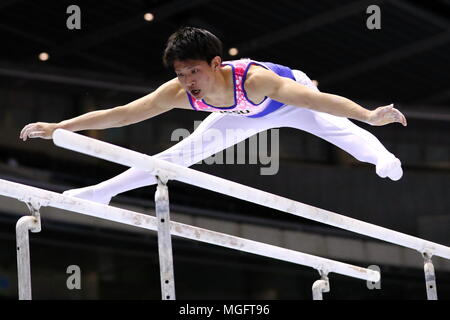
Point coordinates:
[(191, 43)]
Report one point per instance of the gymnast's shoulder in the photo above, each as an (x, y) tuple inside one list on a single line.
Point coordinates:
[(260, 81)]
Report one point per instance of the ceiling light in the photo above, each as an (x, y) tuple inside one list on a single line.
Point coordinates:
[(43, 56), (148, 17), (233, 52)]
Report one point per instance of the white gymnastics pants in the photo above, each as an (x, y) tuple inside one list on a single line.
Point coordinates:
[(202, 143)]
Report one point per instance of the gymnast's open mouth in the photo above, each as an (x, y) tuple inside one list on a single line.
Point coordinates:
[(195, 92)]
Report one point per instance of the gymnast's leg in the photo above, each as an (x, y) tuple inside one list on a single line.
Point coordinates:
[(216, 133)]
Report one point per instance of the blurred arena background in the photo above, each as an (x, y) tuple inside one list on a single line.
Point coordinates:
[(116, 57)]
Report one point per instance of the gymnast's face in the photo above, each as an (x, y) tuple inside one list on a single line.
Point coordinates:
[(197, 76)]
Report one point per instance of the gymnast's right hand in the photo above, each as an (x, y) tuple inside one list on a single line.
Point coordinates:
[(42, 130)]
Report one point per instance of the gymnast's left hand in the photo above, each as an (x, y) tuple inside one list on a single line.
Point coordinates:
[(386, 115)]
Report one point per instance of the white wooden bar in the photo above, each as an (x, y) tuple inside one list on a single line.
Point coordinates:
[(52, 199), (110, 152)]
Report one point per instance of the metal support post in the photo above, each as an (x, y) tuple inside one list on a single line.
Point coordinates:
[(430, 278), (321, 286), (24, 224), (164, 240)]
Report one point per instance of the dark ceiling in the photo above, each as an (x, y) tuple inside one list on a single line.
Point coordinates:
[(406, 61)]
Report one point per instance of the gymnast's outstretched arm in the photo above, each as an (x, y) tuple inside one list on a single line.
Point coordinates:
[(263, 82), (168, 96)]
